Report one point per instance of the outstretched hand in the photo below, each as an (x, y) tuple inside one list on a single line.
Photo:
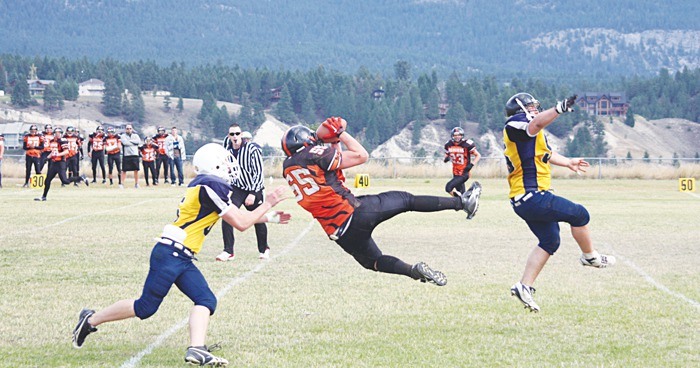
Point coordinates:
[(276, 196), (278, 217), (578, 165)]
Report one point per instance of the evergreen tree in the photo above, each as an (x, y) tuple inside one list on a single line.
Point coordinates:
[(52, 99), (166, 103), (284, 110), (112, 99), (646, 156), (180, 104), (20, 93), (308, 109), (417, 129), (629, 155), (629, 118), (138, 106), (402, 70), (456, 115), (69, 89)]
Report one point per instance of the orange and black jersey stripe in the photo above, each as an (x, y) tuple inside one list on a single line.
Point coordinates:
[(314, 176), (460, 154)]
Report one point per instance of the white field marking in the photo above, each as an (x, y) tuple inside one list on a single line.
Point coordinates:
[(655, 283), (34, 229), (694, 195), (136, 359)]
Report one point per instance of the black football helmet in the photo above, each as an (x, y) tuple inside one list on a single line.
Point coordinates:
[(296, 138), (455, 132), (519, 103)]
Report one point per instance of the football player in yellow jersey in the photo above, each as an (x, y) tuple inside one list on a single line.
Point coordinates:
[(529, 156), (171, 262)]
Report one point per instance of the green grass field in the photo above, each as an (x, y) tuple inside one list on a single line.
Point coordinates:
[(311, 305)]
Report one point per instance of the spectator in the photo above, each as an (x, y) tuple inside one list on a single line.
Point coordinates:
[(2, 153), (247, 190), (33, 145), (73, 156), (246, 137), (162, 155), (57, 164), (47, 137), (175, 147), (130, 143), (148, 158), (113, 147), (96, 152)]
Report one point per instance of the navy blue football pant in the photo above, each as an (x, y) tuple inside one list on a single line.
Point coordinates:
[(543, 213), (171, 266), (377, 208)]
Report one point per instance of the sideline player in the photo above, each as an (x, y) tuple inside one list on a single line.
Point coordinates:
[(33, 144), (57, 164), (314, 172), (459, 151), (529, 159), (171, 263)]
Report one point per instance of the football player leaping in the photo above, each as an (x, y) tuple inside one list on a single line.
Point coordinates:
[(529, 157), (314, 172), (459, 151), (206, 200)]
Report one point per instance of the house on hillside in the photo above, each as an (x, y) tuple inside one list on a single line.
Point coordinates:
[(14, 132), (378, 94), (603, 103), (275, 94), (91, 87), (37, 86)]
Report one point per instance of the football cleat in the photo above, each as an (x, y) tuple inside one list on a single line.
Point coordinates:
[(225, 256), (421, 271), (525, 293), (84, 179), (40, 199), (470, 200), (201, 355), (83, 328), (265, 254), (598, 260)]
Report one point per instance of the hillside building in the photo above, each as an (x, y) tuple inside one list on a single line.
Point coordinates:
[(91, 87), (603, 103)]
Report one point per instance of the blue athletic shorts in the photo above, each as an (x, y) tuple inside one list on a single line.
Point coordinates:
[(544, 211)]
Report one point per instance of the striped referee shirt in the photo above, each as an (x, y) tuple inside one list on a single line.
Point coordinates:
[(249, 157)]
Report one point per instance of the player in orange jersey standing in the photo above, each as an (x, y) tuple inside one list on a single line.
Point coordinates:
[(314, 172)]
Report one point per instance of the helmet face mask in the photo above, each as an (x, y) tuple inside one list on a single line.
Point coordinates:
[(522, 103), (457, 134), (214, 159), (296, 138)]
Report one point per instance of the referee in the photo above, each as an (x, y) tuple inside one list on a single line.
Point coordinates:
[(247, 190)]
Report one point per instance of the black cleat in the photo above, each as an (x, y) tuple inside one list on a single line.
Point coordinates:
[(201, 355), (421, 271), (83, 328), (40, 199)]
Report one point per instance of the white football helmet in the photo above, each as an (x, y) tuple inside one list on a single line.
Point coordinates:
[(214, 159)]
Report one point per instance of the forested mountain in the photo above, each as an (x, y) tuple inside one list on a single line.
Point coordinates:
[(592, 40)]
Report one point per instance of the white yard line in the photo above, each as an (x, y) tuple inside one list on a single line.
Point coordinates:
[(653, 282), (136, 359), (69, 219)]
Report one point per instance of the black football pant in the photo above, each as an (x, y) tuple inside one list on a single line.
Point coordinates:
[(98, 157), (115, 159), (150, 165), (377, 208), (238, 196), (43, 160), (457, 182), (163, 160), (57, 168), (72, 163), (29, 161)]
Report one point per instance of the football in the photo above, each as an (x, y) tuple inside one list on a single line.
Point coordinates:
[(325, 135)]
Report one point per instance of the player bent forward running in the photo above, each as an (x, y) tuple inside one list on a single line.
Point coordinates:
[(314, 171), (529, 158), (206, 199)]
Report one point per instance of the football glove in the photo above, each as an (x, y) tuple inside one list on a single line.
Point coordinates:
[(447, 159), (334, 125), (566, 105)]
